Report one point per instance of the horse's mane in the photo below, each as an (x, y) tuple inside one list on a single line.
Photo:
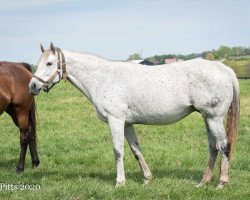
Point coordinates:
[(27, 66)]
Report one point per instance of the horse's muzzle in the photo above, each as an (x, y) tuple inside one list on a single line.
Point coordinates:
[(34, 89)]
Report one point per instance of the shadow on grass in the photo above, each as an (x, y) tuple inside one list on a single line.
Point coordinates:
[(8, 163), (110, 176), (62, 175), (179, 173), (107, 176), (9, 166)]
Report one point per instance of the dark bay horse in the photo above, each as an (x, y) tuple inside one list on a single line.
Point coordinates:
[(16, 100)]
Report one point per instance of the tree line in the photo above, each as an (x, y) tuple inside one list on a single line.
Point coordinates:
[(224, 52)]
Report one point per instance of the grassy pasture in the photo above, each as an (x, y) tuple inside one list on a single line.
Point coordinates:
[(77, 159)]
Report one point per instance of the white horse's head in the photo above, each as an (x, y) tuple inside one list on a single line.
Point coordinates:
[(49, 70)]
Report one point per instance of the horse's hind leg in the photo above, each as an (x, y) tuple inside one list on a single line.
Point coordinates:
[(22, 120), (213, 152), (134, 145), (217, 130)]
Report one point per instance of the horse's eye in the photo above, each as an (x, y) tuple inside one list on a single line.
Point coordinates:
[(49, 63)]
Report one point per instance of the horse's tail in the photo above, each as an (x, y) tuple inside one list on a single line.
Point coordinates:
[(233, 114), (32, 136), (27, 66), (32, 122)]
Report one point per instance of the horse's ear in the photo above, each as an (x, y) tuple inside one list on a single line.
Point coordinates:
[(52, 47), (42, 48)]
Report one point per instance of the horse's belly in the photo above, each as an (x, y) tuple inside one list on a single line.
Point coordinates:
[(167, 116)]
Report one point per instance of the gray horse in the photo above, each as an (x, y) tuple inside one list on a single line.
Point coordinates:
[(126, 93)]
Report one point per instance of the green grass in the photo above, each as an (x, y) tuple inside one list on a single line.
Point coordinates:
[(77, 160)]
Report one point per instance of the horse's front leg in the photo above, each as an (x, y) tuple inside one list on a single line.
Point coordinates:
[(117, 131), (135, 147)]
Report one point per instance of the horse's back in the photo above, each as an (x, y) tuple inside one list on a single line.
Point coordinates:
[(6, 66), (5, 83), (16, 74)]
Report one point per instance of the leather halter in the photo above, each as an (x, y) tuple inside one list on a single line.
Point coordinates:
[(61, 64)]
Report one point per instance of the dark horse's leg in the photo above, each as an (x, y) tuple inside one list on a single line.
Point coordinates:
[(26, 122), (20, 118)]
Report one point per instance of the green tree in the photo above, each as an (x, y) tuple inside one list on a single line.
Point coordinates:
[(33, 68), (135, 56), (210, 56), (224, 52)]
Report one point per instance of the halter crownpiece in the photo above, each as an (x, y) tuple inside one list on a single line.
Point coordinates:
[(64, 72)]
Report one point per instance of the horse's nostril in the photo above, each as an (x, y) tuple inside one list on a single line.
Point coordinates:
[(33, 86)]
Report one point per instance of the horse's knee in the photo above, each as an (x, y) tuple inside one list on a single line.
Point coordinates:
[(213, 151), (118, 155), (226, 150), (30, 137), (23, 139)]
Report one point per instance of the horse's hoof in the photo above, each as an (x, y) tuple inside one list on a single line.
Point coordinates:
[(120, 184), (200, 184), (203, 182), (35, 163), (147, 180), (221, 185), (19, 169)]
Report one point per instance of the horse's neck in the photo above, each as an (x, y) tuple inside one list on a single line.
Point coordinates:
[(85, 71)]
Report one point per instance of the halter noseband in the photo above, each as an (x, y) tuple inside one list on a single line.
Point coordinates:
[(60, 65)]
